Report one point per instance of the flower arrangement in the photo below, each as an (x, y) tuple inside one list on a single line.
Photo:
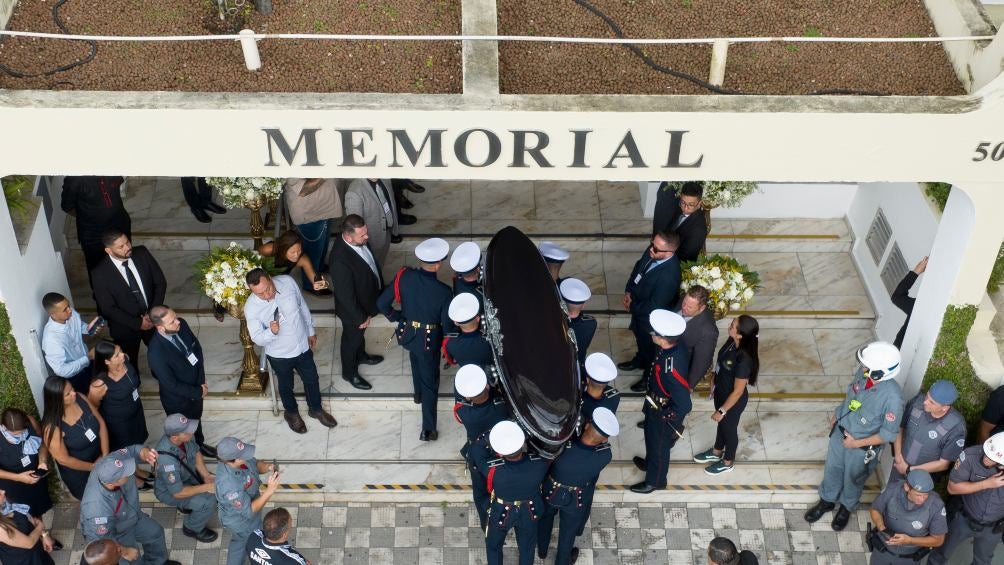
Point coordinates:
[(731, 284), (221, 273), (724, 194), (246, 192)]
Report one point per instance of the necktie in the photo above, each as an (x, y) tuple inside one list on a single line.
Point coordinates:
[(680, 220), (180, 344), (134, 284), (384, 196), (370, 260)]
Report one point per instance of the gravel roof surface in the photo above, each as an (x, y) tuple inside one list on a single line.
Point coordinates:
[(288, 66), (908, 69)]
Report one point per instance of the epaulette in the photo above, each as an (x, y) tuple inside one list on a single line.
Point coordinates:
[(533, 457), (603, 446), (586, 317), (498, 401), (496, 463), (611, 392), (465, 402), (452, 335)]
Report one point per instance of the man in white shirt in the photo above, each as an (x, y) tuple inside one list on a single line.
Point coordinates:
[(279, 321), (63, 341)]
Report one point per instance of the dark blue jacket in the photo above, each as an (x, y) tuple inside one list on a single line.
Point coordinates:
[(479, 419), (585, 328), (424, 300), (610, 399), (469, 347), (180, 381), (668, 378), (579, 465), (658, 288)]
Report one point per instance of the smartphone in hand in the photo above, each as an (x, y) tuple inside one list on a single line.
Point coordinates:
[(275, 466), (95, 326), (40, 473)]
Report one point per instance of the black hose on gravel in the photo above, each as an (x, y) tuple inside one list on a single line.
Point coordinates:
[(614, 27), (62, 26)]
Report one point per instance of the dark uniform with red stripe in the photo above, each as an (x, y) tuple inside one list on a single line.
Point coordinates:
[(461, 286), (515, 500), (610, 399), (466, 348), (584, 327), (668, 390), (478, 420), (424, 303)]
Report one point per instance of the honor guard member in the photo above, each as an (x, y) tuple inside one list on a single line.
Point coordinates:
[(478, 410), (555, 257), (514, 488), (908, 521), (978, 477), (862, 424), (932, 434), (571, 482), (239, 494), (600, 370), (667, 402), (468, 346), (182, 480), (110, 506), (466, 265), (270, 545), (424, 302), (576, 293)]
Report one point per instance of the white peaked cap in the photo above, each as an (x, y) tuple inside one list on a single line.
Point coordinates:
[(667, 324), (506, 437), (471, 381), (600, 367), (606, 422), (575, 291), (552, 251), (464, 307), (466, 257), (432, 250)]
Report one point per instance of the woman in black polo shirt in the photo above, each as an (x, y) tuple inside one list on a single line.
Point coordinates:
[(738, 365)]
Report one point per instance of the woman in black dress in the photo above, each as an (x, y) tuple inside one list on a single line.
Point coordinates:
[(288, 254), (738, 366), (23, 539), (74, 432), (23, 461), (118, 400)]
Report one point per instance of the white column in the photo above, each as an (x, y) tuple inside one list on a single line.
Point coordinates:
[(648, 191), (964, 251)]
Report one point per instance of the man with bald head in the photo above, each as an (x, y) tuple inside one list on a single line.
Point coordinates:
[(107, 552)]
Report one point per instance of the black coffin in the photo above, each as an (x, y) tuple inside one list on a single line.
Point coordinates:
[(535, 353)]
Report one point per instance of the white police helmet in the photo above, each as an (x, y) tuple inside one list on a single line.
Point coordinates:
[(993, 448), (881, 358)]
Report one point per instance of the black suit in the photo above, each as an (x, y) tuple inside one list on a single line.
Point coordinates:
[(657, 288), (700, 339), (693, 231), (356, 289), (902, 299), (121, 307), (180, 381)]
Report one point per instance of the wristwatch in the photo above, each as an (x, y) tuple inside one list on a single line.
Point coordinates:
[(722, 411)]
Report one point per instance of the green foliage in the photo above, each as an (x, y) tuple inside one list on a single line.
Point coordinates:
[(950, 362), (14, 389), (997, 273), (16, 190), (813, 31), (938, 191)]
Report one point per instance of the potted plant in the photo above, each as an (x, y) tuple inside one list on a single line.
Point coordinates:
[(252, 193), (731, 284)]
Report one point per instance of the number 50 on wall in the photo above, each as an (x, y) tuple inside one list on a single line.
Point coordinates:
[(983, 151)]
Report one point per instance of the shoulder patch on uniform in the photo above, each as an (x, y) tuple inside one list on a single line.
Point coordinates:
[(890, 416), (917, 524), (232, 495), (932, 434), (960, 442), (101, 530), (962, 457), (172, 478), (496, 463), (943, 512)]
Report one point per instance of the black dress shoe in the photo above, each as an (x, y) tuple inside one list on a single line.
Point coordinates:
[(201, 215), (405, 204), (208, 451), (396, 239), (371, 360), (326, 420), (639, 386), (406, 219), (640, 463), (416, 398), (144, 487), (841, 518), (205, 536), (172, 562), (574, 555), (429, 435), (56, 544), (642, 488), (542, 552), (295, 422), (628, 366), (414, 187), (215, 208), (358, 382), (641, 424), (816, 512)]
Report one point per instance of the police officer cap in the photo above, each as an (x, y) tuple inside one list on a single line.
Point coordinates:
[(464, 307), (115, 466), (471, 381), (943, 392), (552, 253), (600, 367), (179, 424), (574, 291), (506, 437), (231, 448), (920, 480), (466, 257), (605, 422), (432, 250), (993, 448), (666, 324)]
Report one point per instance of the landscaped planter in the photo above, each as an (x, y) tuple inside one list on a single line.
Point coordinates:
[(288, 66)]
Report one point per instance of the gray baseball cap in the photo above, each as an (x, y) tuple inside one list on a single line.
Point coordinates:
[(115, 466), (231, 448), (179, 424)]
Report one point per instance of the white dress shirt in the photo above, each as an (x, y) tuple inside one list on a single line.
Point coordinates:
[(63, 346), (295, 323)]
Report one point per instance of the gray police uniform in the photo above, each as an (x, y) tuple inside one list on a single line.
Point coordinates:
[(864, 412), (116, 514), (904, 517), (176, 470), (235, 490), (980, 510), (926, 438)]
